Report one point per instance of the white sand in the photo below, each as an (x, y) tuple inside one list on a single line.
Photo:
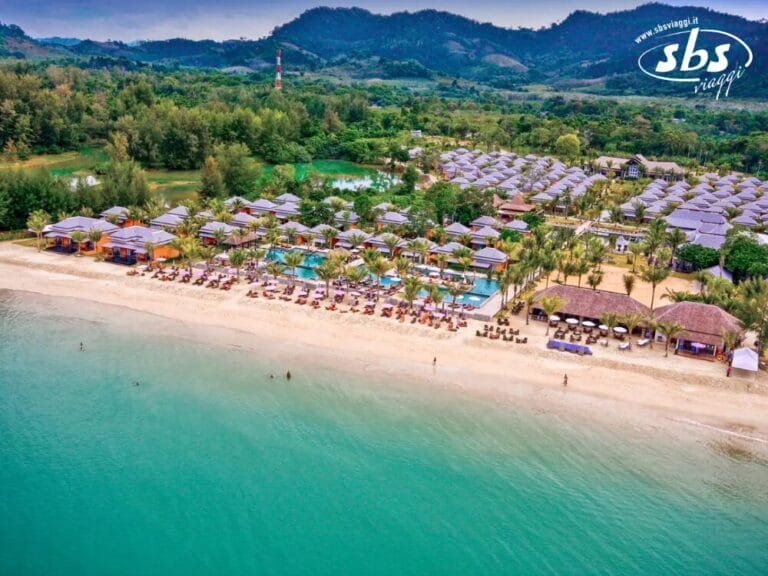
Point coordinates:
[(640, 387)]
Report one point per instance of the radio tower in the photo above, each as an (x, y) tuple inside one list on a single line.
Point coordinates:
[(279, 70)]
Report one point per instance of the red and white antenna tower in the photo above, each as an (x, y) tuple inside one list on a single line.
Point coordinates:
[(279, 70)]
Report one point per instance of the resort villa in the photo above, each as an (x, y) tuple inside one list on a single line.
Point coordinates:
[(61, 234), (638, 166), (135, 244)]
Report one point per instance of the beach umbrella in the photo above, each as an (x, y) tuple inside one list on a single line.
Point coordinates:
[(554, 318), (620, 330), (370, 304), (571, 321), (588, 324), (270, 288), (356, 293), (387, 306)]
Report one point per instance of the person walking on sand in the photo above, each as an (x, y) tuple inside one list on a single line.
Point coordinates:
[(565, 380), (434, 361), (82, 348)]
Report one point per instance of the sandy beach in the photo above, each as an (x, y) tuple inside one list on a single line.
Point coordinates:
[(640, 387)]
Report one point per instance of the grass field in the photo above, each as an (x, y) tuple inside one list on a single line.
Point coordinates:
[(171, 185)]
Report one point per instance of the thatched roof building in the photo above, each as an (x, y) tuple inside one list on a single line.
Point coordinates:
[(703, 323), (588, 303)]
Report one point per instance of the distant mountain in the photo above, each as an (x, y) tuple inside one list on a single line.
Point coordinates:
[(59, 41), (585, 51), (15, 43)]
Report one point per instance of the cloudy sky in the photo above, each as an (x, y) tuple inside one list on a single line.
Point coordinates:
[(223, 19)]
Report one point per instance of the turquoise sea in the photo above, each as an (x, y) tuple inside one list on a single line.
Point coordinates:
[(210, 466)]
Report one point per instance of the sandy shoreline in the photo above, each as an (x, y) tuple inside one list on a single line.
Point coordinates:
[(640, 386)]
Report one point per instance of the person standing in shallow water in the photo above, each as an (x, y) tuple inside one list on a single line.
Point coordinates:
[(288, 375), (565, 379)]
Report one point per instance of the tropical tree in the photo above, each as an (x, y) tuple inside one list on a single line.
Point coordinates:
[(669, 330), (94, 235), (655, 275), (329, 235), (390, 241), (435, 294), (455, 289), (411, 288), (78, 238), (257, 255), (549, 305), (36, 223), (355, 274), (629, 283), (188, 247), (237, 259), (675, 238), (594, 279), (631, 321), (275, 269), (328, 271), (529, 301), (402, 266), (355, 239), (378, 268), (609, 320), (636, 249), (149, 248), (293, 260), (442, 262), (219, 236)]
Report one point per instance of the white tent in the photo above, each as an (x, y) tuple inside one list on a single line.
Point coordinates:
[(745, 359)]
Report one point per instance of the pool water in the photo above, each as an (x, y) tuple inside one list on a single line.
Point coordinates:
[(482, 290), (306, 271)]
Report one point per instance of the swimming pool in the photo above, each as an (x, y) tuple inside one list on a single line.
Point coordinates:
[(306, 271), (482, 289)]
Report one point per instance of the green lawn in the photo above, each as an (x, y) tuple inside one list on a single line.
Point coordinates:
[(66, 164)]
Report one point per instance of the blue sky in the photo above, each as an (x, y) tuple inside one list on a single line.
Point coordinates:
[(223, 19)]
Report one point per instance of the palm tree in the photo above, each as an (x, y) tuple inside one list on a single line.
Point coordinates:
[(609, 319), (669, 330), (355, 239), (418, 247), (594, 279), (275, 269), (329, 235), (435, 294), (463, 256), (78, 238), (549, 305), (149, 248), (188, 247), (650, 323), (272, 237), (455, 289), (37, 222), (631, 321), (390, 241), (629, 283), (378, 268), (675, 239), (94, 235), (442, 262), (529, 301), (237, 259), (257, 255), (636, 249), (411, 288), (207, 254), (328, 271), (355, 274), (293, 260), (655, 275), (547, 264), (219, 237), (730, 339), (402, 266), (370, 255)]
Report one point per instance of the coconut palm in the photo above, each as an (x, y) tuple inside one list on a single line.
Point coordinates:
[(402, 266), (455, 289), (442, 262), (629, 283), (675, 238), (631, 321), (529, 301), (257, 255), (275, 269), (78, 238), (650, 323), (594, 279), (378, 268), (370, 255), (411, 288), (669, 330), (636, 249), (730, 339), (219, 236), (655, 275), (329, 235), (355, 274), (94, 235), (149, 248), (549, 305), (237, 259), (420, 248), (328, 271), (390, 241), (37, 222), (435, 294), (609, 320), (293, 260), (272, 237), (188, 248), (356, 239), (207, 254)]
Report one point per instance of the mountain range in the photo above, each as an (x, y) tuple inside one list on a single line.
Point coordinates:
[(586, 51)]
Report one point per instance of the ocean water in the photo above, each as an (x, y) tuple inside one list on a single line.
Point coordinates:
[(210, 466)]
